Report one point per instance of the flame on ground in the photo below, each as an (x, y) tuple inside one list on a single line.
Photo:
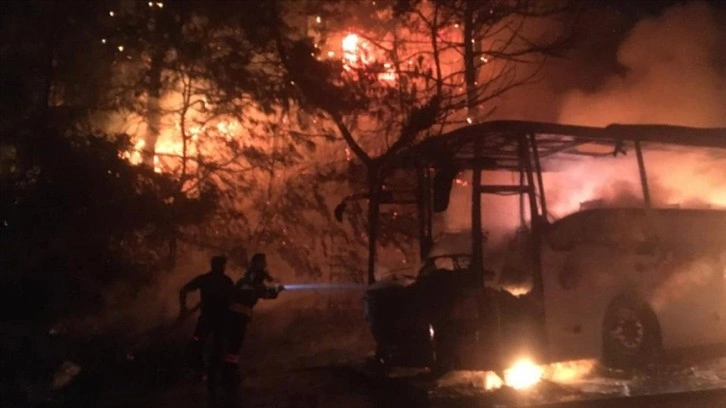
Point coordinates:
[(488, 380), (517, 290), (523, 374), (569, 371)]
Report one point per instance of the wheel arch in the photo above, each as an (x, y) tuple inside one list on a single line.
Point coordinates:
[(639, 301)]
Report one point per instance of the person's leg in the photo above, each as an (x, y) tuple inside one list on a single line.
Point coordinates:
[(196, 346), (236, 330), (215, 361)]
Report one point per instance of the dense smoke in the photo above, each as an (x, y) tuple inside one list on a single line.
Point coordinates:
[(669, 70), (673, 73)]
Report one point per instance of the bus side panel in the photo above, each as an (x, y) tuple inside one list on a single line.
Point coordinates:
[(574, 307), (690, 300)]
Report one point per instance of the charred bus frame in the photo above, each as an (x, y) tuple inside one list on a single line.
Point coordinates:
[(518, 146)]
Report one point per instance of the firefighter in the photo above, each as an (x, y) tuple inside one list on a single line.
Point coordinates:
[(216, 291), (248, 290)]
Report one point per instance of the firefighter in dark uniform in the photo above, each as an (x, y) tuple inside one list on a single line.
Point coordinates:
[(216, 291), (247, 292)]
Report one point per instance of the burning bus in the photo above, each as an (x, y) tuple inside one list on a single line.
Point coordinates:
[(623, 284)]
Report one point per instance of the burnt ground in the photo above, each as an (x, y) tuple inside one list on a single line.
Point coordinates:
[(301, 357)]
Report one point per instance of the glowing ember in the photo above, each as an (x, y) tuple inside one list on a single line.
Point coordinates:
[(523, 374)]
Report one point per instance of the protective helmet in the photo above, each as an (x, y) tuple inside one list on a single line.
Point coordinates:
[(258, 259)]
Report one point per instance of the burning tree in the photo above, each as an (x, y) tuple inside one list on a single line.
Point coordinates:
[(412, 69), (73, 211), (239, 107), (199, 88)]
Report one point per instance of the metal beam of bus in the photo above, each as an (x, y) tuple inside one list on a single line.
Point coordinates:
[(679, 135), (643, 174), (498, 141)]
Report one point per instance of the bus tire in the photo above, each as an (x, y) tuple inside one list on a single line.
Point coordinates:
[(631, 333)]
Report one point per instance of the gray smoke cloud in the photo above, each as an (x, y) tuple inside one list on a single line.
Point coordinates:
[(668, 69), (673, 74)]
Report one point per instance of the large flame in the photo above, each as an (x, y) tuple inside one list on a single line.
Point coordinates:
[(358, 53), (169, 149)]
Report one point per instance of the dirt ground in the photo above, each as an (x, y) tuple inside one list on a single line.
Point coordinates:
[(294, 355), (309, 355)]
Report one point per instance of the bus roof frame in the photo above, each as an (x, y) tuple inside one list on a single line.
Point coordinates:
[(511, 145), (494, 144)]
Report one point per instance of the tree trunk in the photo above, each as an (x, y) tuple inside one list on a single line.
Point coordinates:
[(469, 63), (373, 206)]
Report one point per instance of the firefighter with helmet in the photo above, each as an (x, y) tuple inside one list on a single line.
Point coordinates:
[(247, 292)]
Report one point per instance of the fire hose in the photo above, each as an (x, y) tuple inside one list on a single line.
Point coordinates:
[(324, 286), (170, 328)]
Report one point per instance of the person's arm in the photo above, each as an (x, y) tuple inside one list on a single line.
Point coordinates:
[(190, 286), (269, 278)]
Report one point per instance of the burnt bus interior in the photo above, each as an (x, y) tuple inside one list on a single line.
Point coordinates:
[(458, 308)]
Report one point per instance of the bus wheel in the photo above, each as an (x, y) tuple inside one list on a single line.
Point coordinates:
[(631, 333)]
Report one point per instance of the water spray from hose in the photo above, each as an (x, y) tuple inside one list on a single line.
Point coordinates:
[(325, 286)]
